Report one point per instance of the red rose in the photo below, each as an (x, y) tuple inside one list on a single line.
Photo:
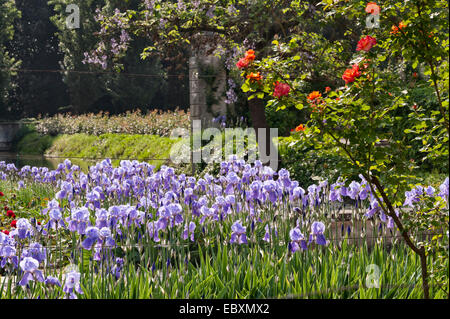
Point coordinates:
[(6, 232), (281, 89), (350, 74), (327, 89), (1, 194), (242, 63), (13, 224), (366, 43)]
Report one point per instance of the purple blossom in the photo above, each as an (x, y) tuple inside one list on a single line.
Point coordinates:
[(72, 285), (30, 266), (189, 230), (317, 230), (52, 281), (238, 233), (298, 240)]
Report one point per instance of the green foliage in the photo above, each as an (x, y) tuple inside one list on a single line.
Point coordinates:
[(9, 14), (108, 91), (34, 144), (305, 164), (36, 46)]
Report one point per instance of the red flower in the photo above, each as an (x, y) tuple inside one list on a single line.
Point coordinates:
[(366, 43), (396, 29), (281, 89), (10, 213), (6, 232), (314, 95), (1, 194), (350, 74), (250, 55), (414, 106), (242, 63), (327, 89), (300, 128), (13, 224), (254, 76), (415, 74)]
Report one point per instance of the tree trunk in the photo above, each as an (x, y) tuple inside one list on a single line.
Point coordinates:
[(420, 251), (258, 117)]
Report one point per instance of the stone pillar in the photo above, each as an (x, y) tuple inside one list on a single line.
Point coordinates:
[(208, 80), (8, 131)]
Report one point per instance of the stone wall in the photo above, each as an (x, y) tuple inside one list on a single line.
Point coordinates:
[(8, 131)]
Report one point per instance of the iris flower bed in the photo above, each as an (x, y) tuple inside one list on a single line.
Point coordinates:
[(249, 232)]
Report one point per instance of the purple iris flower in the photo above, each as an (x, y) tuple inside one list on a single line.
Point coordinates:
[(153, 231), (267, 234), (238, 233), (72, 285), (37, 251), (444, 189), (298, 240), (374, 208), (353, 190), (284, 177), (272, 190), (56, 221), (92, 236), (24, 228), (335, 192), (104, 240), (101, 218), (31, 272), (117, 268), (79, 221), (189, 230), (317, 230), (52, 281), (8, 254), (93, 199), (430, 190)]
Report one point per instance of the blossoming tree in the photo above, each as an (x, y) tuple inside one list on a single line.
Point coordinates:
[(361, 117)]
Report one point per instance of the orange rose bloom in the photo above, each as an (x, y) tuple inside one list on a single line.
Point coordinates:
[(300, 128), (314, 95), (396, 29), (350, 74), (250, 55), (254, 76)]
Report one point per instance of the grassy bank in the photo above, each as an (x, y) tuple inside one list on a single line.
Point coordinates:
[(114, 146)]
